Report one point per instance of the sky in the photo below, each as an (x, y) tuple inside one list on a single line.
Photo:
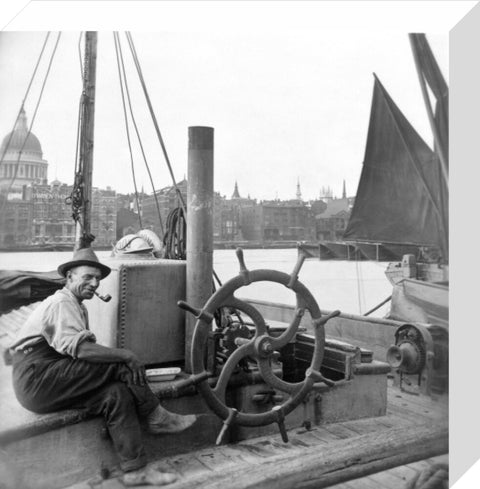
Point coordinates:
[(287, 103)]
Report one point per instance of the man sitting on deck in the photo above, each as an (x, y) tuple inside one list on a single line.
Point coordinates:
[(57, 365)]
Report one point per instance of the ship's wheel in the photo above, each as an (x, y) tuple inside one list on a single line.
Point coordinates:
[(261, 347)]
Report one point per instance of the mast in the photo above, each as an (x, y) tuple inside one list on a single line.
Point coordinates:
[(83, 230), (429, 72), (428, 106)]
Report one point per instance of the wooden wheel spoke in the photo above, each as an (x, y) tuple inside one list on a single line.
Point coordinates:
[(229, 367), (289, 333), (273, 381), (252, 312)]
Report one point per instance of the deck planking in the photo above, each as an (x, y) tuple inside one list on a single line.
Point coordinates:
[(401, 413), (394, 478)]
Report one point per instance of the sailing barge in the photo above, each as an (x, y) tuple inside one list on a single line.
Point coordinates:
[(288, 396)]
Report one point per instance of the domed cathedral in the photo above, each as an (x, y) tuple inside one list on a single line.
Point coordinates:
[(23, 162), (34, 213)]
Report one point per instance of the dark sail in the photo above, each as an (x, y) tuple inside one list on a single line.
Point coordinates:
[(398, 198)]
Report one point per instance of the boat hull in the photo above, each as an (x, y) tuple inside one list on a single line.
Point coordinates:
[(332, 250), (419, 301), (392, 251), (355, 250)]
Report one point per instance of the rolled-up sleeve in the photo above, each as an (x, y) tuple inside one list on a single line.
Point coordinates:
[(65, 328)]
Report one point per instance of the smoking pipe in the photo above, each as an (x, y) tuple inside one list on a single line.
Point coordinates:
[(104, 298)]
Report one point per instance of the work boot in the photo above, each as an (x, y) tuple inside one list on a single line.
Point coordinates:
[(148, 476), (162, 421)]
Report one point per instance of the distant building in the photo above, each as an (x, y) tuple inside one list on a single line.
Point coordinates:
[(52, 216), (230, 216), (288, 220), (34, 212), (104, 217), (15, 222), (168, 199), (23, 162), (299, 192), (278, 221), (52, 221), (226, 212), (326, 194), (317, 207), (332, 222)]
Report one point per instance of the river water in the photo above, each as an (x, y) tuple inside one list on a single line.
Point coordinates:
[(352, 287)]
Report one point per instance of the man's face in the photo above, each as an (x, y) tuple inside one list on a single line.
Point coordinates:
[(83, 281)]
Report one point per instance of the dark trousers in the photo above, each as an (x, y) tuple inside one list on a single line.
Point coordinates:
[(46, 381)]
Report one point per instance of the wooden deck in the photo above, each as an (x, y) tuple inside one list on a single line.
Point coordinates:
[(344, 455), (267, 462)]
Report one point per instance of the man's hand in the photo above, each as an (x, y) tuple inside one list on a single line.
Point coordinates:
[(136, 368)]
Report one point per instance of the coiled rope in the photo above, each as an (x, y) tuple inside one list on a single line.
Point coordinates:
[(175, 238), (434, 477)]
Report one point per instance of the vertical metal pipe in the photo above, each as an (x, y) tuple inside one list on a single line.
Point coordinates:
[(199, 226)]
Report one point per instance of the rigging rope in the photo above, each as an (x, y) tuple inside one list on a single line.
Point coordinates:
[(80, 57), (17, 164), (378, 306), (118, 51), (154, 119), (175, 238), (25, 97), (360, 289), (138, 136)]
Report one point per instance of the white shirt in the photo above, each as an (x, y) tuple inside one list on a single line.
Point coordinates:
[(61, 319)]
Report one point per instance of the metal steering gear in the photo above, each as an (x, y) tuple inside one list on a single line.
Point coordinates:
[(261, 347)]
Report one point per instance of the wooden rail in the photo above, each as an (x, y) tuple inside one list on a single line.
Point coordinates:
[(318, 467)]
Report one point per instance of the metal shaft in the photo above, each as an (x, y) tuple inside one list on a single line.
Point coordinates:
[(199, 226)]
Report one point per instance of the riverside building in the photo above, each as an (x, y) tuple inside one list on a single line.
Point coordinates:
[(34, 213)]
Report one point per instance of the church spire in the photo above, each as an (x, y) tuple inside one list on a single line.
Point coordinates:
[(299, 192), (344, 193), (236, 194)]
